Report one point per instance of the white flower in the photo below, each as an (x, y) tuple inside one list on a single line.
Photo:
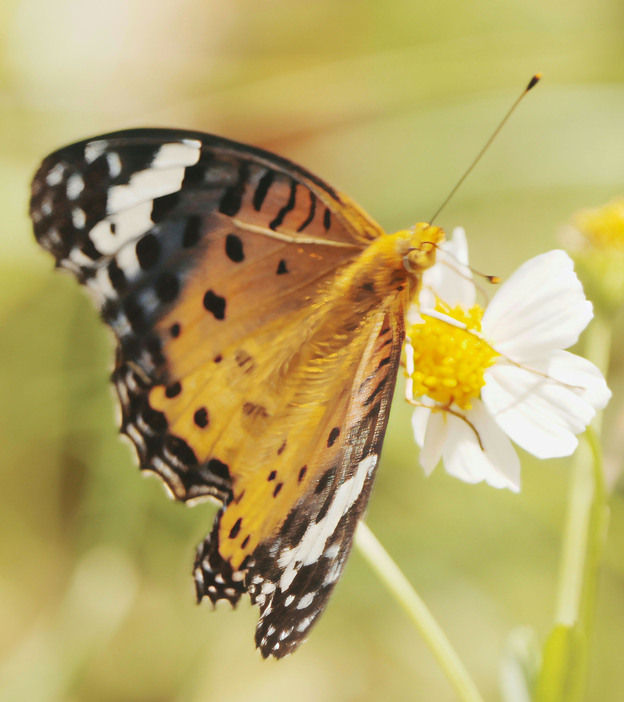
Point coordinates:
[(480, 378)]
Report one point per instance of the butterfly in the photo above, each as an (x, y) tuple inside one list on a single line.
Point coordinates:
[(259, 320)]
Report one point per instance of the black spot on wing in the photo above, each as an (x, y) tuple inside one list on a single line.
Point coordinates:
[(178, 448), (148, 251), (236, 528), (262, 189), (173, 390), (215, 304), (192, 231), (325, 481), (200, 418), (167, 287), (234, 248), (333, 435), (286, 208), (117, 277), (163, 206), (311, 212), (218, 468), (232, 198), (327, 219)]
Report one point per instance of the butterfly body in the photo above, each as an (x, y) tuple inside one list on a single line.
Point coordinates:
[(259, 322)]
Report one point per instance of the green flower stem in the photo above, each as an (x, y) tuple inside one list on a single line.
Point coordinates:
[(564, 672), (399, 587)]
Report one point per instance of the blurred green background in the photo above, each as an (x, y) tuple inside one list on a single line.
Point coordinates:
[(389, 101)]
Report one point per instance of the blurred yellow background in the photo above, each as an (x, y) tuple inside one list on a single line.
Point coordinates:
[(388, 101)]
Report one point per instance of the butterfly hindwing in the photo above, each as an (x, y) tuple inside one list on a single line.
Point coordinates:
[(291, 572), (293, 575)]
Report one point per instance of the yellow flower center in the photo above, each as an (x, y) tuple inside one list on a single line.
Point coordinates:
[(449, 362), (603, 227)]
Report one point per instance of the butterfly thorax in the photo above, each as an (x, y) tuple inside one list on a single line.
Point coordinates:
[(389, 265)]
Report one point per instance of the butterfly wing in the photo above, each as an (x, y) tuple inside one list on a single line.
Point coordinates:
[(292, 564), (312, 545), (240, 375), (162, 226)]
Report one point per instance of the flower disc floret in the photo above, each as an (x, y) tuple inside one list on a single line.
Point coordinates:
[(449, 361)]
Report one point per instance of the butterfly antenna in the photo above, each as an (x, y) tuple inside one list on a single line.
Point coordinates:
[(532, 83)]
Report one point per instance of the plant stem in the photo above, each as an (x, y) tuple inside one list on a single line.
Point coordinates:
[(583, 543), (405, 595)]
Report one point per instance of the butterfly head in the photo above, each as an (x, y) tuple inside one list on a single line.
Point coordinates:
[(422, 242)]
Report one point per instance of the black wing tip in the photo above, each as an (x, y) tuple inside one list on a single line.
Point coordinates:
[(213, 575), (279, 643)]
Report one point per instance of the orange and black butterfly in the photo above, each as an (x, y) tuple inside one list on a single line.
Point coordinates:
[(259, 319)]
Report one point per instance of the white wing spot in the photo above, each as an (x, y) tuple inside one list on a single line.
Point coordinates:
[(114, 164), (306, 600), (333, 574), (183, 153), (94, 149), (128, 262), (311, 546), (134, 434), (79, 218), (129, 225), (144, 186), (289, 600), (55, 174), (332, 551), (304, 624), (54, 236), (75, 185), (268, 587), (46, 205)]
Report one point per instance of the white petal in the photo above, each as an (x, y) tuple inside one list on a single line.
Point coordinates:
[(497, 463), (543, 414), (450, 279), (541, 307), (420, 418), (430, 431), (583, 376)]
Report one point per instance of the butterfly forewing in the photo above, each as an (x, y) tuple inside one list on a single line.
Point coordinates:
[(256, 356), (153, 221)]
